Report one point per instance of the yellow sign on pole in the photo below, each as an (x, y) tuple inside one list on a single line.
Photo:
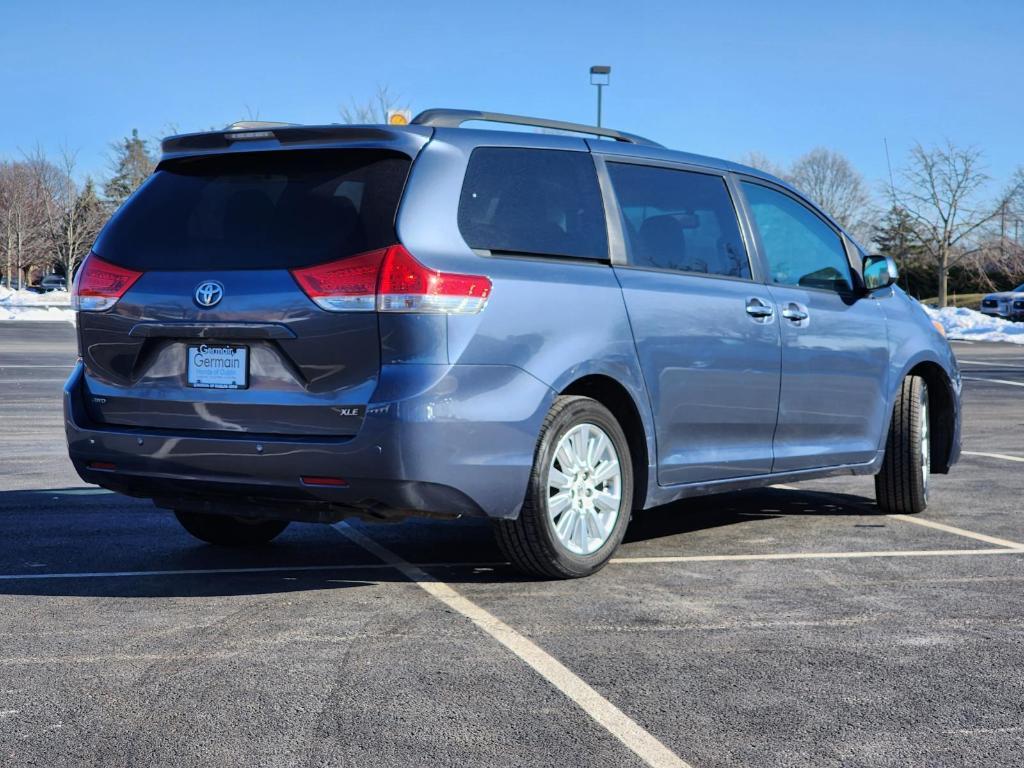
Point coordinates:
[(399, 116)]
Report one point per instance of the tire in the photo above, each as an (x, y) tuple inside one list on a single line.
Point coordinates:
[(587, 495), (902, 486), (227, 531)]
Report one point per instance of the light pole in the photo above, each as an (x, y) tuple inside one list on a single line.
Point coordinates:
[(600, 76)]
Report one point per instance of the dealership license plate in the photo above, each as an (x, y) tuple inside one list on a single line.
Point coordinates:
[(218, 366)]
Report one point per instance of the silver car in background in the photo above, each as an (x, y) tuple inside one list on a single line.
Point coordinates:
[(1008, 305)]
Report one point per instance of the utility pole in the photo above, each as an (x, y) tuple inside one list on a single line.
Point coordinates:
[(600, 76)]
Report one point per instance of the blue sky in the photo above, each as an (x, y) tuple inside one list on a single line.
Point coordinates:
[(718, 78)]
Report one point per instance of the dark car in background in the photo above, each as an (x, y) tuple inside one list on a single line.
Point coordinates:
[(551, 331), (53, 283)]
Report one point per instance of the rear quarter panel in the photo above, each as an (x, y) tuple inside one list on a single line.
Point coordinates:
[(557, 319)]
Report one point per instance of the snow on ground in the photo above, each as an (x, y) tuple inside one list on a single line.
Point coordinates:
[(971, 325), (28, 305)]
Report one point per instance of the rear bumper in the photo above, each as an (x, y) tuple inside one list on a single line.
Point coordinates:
[(436, 439)]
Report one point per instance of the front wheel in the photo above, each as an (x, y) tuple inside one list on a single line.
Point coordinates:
[(229, 531), (902, 485), (580, 494)]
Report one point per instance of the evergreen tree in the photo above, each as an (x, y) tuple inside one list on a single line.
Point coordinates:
[(132, 163), (895, 237)]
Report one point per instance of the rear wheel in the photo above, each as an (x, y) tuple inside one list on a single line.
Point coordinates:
[(580, 495), (902, 485), (229, 531)]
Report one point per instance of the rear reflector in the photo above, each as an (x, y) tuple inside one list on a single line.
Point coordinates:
[(99, 284), (104, 465), (391, 280), (336, 482)]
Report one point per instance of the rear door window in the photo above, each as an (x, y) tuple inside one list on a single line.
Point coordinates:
[(259, 210), (801, 249), (540, 202), (679, 220)]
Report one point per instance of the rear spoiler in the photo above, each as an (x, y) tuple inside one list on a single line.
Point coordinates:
[(254, 136)]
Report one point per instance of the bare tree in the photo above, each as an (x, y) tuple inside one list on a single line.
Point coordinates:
[(22, 221), (73, 215), (761, 162), (374, 110), (941, 191), (829, 179), (995, 259)]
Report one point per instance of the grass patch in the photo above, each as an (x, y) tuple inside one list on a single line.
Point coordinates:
[(969, 300)]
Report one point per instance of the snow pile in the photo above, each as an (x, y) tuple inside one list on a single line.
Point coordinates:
[(28, 305), (970, 325), (33, 299)]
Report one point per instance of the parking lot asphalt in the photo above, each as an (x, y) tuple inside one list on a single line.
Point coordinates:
[(792, 626)]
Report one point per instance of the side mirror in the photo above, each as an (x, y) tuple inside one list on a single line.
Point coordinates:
[(879, 272)]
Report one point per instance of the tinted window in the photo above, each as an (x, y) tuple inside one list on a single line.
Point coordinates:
[(679, 220), (533, 201), (800, 247), (258, 211)]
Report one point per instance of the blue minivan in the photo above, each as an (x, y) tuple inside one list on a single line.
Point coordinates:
[(549, 329)]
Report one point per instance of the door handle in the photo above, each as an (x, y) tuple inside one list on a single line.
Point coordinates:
[(759, 309), (795, 313)]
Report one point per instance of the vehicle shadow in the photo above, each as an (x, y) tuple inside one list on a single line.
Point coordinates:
[(80, 543), (702, 513)]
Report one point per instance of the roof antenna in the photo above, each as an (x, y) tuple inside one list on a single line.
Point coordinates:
[(888, 162)]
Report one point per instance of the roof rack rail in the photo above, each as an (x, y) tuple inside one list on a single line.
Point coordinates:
[(453, 118)]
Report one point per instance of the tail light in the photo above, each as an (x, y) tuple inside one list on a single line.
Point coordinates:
[(99, 284), (391, 280), (349, 285)]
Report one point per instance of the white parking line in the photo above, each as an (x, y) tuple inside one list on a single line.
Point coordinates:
[(959, 531), (814, 555), (990, 363), (214, 571), (1003, 456), (602, 711), (32, 381), (1002, 550), (1009, 545), (66, 366), (995, 381)]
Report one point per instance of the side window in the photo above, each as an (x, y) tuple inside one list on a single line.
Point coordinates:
[(533, 201), (801, 249), (679, 220)]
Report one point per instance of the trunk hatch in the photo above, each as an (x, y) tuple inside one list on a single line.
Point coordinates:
[(241, 221)]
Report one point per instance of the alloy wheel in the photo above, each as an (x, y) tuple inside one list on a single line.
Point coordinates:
[(584, 489)]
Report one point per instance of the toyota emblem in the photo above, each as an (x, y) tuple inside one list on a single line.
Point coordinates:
[(209, 293)]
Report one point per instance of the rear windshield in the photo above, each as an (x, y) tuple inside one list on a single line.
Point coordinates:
[(269, 210)]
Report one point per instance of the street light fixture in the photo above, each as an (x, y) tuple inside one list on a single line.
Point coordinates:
[(600, 76)]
